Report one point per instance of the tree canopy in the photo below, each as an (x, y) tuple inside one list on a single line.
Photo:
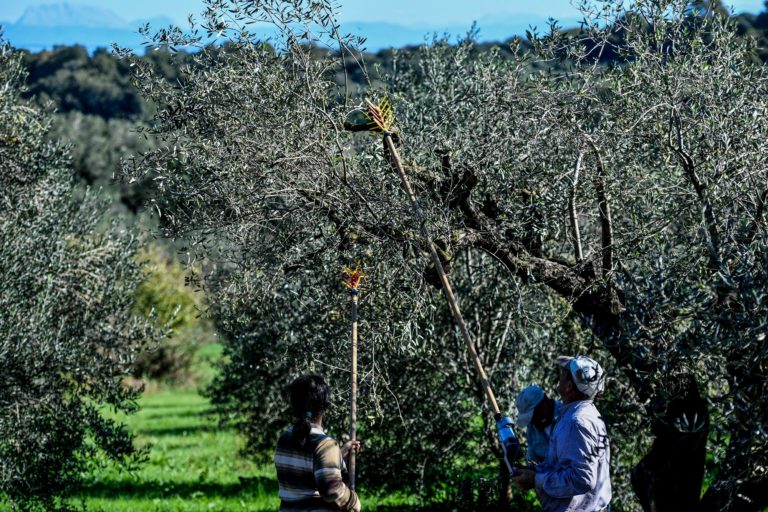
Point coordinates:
[(630, 193), (67, 332)]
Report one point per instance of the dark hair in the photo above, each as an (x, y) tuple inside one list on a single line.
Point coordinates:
[(310, 398)]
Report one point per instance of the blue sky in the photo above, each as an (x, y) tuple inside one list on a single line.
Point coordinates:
[(406, 12)]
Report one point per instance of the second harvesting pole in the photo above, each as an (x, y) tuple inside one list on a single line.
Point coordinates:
[(353, 401), (352, 280), (380, 119), (446, 285)]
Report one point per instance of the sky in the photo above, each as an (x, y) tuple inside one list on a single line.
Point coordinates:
[(404, 12)]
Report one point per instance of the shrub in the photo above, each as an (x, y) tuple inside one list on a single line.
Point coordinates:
[(68, 335), (166, 297)]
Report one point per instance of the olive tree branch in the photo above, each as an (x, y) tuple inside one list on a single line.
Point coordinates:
[(572, 210), (604, 209), (757, 221), (689, 167)]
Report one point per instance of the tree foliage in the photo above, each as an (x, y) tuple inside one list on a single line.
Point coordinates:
[(67, 334), (628, 195), (166, 296), (97, 111), (96, 147), (74, 81)]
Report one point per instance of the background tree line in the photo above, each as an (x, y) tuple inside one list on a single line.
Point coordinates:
[(97, 107)]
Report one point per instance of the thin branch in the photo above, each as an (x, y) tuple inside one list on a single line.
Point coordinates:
[(754, 228), (572, 211), (604, 210), (713, 237)]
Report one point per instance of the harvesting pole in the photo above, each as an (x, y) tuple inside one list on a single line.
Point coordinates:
[(352, 279), (381, 120)]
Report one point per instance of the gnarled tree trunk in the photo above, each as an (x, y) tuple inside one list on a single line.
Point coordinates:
[(671, 474)]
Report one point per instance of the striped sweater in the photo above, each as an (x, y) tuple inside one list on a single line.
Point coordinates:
[(310, 478)]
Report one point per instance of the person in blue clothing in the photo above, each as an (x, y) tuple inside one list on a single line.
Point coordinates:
[(536, 413), (575, 476)]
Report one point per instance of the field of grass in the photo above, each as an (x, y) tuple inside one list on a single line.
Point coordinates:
[(192, 464)]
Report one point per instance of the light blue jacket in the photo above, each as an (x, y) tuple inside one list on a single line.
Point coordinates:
[(575, 475), (537, 440)]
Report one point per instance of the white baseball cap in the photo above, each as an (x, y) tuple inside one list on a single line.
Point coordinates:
[(587, 374), (526, 402)]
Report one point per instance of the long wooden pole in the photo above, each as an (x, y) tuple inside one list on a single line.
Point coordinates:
[(353, 400), (398, 165)]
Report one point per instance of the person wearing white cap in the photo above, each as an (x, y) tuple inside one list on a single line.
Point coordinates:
[(575, 474), (536, 413)]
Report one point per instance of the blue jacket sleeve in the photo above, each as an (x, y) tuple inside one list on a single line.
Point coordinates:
[(576, 472)]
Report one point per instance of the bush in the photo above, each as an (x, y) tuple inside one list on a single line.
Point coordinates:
[(68, 335), (166, 297)]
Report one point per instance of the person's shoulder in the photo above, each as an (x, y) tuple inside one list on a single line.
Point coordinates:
[(587, 416), (585, 408), (286, 444), (324, 445), (318, 439), (321, 439), (285, 439)]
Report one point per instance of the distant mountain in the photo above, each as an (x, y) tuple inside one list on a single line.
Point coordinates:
[(45, 26), (36, 39), (386, 35), (159, 22), (70, 15)]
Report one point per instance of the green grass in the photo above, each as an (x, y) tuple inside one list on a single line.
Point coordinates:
[(192, 464), (206, 357)]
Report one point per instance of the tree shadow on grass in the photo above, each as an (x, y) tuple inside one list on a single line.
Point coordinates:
[(420, 508), (178, 431), (246, 486), (160, 415), (171, 405)]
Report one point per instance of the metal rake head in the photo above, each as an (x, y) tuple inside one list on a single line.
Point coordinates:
[(381, 116), (353, 277)]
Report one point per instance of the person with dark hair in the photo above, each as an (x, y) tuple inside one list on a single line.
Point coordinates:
[(575, 476), (537, 413), (310, 464)]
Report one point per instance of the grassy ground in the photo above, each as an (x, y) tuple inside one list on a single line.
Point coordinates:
[(192, 464)]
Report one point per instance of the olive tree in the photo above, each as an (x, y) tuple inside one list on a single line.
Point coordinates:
[(419, 409), (619, 168), (67, 335)]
